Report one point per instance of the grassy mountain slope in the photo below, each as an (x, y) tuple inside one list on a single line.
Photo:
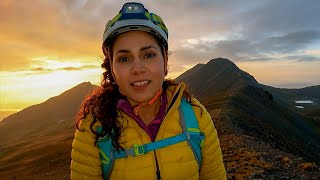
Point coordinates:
[(35, 143), (42, 118)]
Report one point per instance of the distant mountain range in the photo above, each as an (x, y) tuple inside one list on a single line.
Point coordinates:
[(246, 108)]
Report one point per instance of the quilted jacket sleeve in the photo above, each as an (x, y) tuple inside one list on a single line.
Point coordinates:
[(212, 164), (85, 159)]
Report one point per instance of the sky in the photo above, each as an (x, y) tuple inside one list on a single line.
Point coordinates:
[(48, 46)]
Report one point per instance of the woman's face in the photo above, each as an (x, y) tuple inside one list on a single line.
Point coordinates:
[(138, 65)]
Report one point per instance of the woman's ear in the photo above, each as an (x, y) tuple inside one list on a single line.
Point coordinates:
[(165, 58)]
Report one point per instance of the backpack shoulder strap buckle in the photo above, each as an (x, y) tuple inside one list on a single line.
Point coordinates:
[(136, 150)]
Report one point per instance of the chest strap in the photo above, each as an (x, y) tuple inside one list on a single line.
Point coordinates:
[(137, 150)]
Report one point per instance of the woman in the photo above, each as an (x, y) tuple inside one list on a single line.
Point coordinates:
[(137, 105)]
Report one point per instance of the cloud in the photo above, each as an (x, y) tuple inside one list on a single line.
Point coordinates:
[(46, 28), (254, 30), (270, 48), (69, 68), (290, 42), (303, 58), (79, 68), (276, 17), (45, 70), (45, 65), (258, 31)]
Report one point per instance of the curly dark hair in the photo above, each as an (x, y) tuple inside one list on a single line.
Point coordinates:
[(101, 104)]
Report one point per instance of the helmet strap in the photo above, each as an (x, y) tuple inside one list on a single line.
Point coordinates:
[(155, 97)]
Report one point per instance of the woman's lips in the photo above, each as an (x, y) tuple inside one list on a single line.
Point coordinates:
[(140, 85)]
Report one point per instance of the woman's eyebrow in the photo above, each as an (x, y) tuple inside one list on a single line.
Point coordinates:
[(147, 47), (141, 49), (122, 51)]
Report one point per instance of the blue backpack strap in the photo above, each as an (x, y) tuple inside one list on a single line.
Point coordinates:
[(106, 154), (189, 125), (137, 150)]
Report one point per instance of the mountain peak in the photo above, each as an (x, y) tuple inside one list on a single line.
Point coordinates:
[(218, 75), (85, 86), (221, 62)]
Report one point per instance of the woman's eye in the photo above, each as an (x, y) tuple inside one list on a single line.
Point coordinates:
[(123, 59), (149, 55)]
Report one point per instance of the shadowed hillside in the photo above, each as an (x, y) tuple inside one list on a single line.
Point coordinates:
[(35, 143), (54, 112), (254, 111), (288, 98)]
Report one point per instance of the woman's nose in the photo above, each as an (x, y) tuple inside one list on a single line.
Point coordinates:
[(138, 66)]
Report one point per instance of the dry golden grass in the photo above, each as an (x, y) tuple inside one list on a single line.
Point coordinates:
[(241, 162), (307, 166), (286, 161), (43, 157)]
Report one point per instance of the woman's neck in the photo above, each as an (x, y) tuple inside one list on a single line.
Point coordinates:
[(148, 112)]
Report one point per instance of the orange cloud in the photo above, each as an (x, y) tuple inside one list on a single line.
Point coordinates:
[(44, 29)]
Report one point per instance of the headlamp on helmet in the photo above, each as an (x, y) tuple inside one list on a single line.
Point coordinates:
[(133, 16), (132, 8)]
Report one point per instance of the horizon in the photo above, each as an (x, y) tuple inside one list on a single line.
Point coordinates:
[(63, 46)]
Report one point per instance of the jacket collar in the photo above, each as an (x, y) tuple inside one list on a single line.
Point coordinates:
[(174, 94)]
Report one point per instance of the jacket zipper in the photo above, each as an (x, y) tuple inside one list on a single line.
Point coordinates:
[(158, 170), (155, 155)]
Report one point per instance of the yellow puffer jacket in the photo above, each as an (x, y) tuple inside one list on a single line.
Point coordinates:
[(175, 162)]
